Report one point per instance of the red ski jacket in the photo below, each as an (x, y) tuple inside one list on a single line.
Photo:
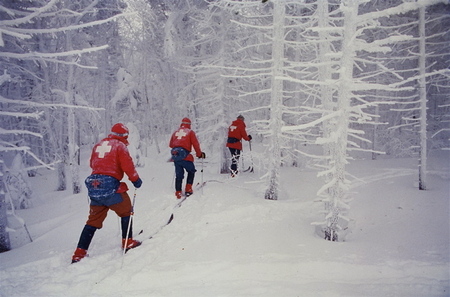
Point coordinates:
[(184, 137), (111, 157), (236, 132)]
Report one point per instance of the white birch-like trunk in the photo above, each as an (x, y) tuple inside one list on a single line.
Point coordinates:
[(423, 101), (72, 145), (220, 93), (275, 121)]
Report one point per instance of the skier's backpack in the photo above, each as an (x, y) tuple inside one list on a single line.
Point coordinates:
[(179, 153), (101, 186)]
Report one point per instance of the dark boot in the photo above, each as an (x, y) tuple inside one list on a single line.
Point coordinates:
[(178, 184), (127, 240), (124, 223), (83, 244)]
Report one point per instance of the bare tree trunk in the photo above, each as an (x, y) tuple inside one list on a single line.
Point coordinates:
[(4, 236)]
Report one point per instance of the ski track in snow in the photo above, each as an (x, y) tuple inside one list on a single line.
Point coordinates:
[(227, 241)]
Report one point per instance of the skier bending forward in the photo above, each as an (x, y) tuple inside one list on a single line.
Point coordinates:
[(110, 159)]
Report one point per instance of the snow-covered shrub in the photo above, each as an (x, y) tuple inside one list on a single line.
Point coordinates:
[(135, 145), (397, 144), (17, 185)]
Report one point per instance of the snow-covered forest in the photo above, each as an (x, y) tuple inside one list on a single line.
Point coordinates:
[(322, 84)]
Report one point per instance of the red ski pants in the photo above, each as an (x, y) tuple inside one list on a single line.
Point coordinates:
[(97, 213)]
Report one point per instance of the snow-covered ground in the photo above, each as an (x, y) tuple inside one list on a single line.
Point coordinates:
[(226, 240)]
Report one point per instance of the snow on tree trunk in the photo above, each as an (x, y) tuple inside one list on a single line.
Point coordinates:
[(325, 73), (327, 103), (423, 101), (225, 162), (62, 180), (4, 237), (275, 121), (337, 187), (72, 145)]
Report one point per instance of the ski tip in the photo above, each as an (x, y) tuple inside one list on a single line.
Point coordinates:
[(170, 219)]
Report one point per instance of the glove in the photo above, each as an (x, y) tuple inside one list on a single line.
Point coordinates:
[(202, 155), (138, 183), (250, 137)]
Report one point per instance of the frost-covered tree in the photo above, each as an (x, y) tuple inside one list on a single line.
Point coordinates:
[(259, 72), (205, 57), (151, 40), (30, 92), (355, 81), (432, 63), (54, 49)]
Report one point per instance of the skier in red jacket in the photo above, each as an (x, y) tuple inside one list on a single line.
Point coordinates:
[(236, 132), (110, 160), (182, 142)]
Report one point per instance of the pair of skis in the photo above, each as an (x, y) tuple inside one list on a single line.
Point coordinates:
[(179, 203), (198, 187)]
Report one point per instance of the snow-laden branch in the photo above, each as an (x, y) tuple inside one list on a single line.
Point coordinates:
[(19, 132), (442, 130), (36, 55), (381, 45), (314, 123), (414, 78), (260, 92), (67, 28), (13, 34), (73, 63), (268, 27), (49, 105), (399, 9), (29, 152), (34, 115), (11, 148), (29, 17), (311, 155)]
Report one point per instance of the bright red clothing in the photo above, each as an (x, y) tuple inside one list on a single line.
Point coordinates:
[(184, 137), (97, 213), (111, 157), (237, 131)]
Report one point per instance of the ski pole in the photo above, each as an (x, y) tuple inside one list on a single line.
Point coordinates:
[(250, 168), (129, 226), (202, 175), (251, 157)]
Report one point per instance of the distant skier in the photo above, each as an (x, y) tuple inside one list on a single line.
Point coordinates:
[(182, 142), (236, 132), (109, 161)]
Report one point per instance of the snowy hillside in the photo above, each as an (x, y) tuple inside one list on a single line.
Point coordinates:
[(226, 240)]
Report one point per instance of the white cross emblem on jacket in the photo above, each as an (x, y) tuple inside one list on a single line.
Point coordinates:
[(180, 134), (103, 149)]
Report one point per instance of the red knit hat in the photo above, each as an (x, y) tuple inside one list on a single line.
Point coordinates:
[(120, 130), (186, 121)]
